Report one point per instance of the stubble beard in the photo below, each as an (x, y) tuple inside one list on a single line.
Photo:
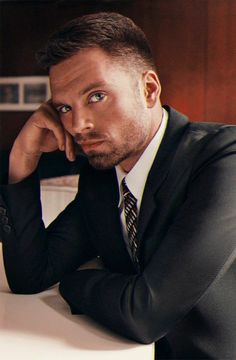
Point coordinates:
[(134, 138), (131, 148), (106, 161)]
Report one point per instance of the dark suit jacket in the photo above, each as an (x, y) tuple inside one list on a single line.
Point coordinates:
[(184, 297)]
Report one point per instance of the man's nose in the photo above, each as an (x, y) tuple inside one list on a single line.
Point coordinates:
[(81, 122)]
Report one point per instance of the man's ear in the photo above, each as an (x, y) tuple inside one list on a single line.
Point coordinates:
[(152, 87)]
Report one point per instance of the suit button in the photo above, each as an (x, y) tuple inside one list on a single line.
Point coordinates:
[(7, 229), (3, 211), (3, 220)]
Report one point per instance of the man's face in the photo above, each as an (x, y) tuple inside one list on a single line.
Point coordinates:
[(103, 106)]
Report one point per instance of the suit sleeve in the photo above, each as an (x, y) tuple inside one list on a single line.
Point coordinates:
[(35, 257), (198, 248)]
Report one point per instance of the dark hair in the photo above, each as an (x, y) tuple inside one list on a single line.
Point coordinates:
[(114, 33)]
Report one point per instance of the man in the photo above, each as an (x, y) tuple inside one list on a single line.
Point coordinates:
[(164, 238)]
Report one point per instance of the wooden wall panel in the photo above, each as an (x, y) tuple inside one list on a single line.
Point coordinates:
[(221, 65), (179, 43)]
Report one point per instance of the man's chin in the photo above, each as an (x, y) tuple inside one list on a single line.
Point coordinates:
[(102, 162)]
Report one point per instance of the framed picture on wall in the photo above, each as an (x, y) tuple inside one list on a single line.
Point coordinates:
[(24, 93)]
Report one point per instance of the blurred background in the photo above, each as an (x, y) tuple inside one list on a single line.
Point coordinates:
[(193, 41)]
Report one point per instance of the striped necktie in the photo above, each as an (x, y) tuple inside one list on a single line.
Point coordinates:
[(130, 209)]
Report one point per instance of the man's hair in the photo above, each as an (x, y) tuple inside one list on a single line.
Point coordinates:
[(114, 33)]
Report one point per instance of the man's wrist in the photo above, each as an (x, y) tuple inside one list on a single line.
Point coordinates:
[(21, 165)]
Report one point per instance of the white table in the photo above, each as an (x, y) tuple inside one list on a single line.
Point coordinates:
[(40, 327)]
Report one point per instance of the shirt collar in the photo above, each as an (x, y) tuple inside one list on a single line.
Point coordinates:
[(137, 176)]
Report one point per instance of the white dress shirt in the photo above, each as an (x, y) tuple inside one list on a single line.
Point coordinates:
[(137, 176)]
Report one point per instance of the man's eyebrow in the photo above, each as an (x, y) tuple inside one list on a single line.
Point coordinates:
[(56, 104), (92, 86)]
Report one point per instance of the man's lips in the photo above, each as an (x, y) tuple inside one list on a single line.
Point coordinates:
[(91, 144)]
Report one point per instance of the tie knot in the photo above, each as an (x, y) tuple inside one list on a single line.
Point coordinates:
[(127, 194)]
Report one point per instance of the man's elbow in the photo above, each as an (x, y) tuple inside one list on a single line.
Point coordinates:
[(23, 290), (25, 287)]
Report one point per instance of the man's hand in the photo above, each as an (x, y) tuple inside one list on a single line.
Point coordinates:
[(43, 132)]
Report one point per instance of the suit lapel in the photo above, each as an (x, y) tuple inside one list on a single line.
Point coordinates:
[(177, 124)]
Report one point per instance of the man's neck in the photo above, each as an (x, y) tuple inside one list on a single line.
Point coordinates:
[(129, 163)]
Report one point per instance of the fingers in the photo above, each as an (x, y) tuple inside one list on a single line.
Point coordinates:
[(64, 139), (69, 147), (59, 133), (44, 132), (53, 123)]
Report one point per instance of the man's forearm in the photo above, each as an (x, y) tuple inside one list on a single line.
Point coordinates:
[(21, 165)]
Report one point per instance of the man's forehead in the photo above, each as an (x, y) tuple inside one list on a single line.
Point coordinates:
[(81, 66), (83, 73)]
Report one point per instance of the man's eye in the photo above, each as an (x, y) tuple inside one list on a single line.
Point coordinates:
[(96, 97), (64, 109)]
